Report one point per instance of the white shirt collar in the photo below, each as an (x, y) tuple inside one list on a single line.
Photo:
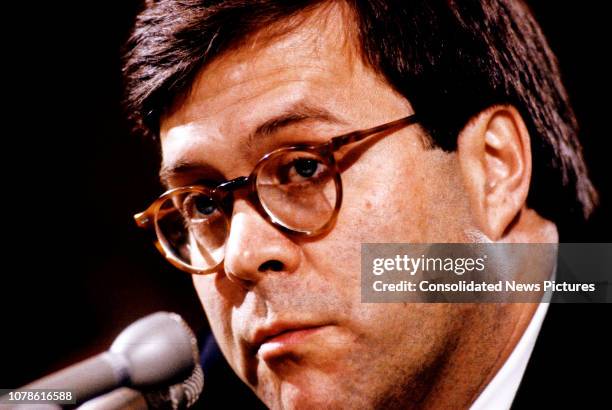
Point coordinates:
[(500, 392)]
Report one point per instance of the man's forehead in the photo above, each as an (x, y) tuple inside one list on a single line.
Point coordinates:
[(318, 46)]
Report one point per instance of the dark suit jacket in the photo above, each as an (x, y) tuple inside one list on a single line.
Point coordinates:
[(570, 365)]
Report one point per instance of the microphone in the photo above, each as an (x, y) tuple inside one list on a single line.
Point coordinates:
[(156, 351)]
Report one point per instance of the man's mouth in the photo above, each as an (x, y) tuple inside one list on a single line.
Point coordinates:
[(279, 339)]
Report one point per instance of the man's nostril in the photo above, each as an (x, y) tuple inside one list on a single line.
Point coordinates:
[(271, 265)]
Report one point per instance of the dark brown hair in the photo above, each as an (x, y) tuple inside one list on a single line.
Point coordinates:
[(450, 59)]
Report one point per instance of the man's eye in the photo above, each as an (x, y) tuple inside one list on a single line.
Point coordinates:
[(302, 170), (306, 167), (199, 206), (204, 205), (294, 168)]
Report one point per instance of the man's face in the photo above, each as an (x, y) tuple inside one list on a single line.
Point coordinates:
[(395, 190)]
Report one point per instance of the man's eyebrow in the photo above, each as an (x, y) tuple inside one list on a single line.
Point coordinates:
[(182, 167), (297, 113)]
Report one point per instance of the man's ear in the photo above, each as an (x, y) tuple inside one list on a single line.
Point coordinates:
[(494, 153)]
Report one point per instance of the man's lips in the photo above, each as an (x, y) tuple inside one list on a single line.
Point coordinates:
[(281, 338)]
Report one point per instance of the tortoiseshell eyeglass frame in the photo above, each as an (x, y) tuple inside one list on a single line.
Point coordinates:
[(325, 151)]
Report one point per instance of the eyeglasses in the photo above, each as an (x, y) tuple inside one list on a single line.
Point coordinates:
[(297, 189)]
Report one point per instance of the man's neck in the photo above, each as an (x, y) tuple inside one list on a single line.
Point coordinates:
[(491, 334)]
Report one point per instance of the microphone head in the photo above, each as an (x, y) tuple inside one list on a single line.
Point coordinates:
[(159, 349)]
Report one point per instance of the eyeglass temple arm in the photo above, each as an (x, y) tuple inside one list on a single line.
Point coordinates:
[(342, 140)]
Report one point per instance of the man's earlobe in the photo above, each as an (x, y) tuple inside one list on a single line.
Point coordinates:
[(495, 158)]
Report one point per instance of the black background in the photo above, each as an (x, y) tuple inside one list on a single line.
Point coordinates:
[(75, 268)]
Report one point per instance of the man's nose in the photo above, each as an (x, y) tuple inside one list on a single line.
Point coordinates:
[(255, 247)]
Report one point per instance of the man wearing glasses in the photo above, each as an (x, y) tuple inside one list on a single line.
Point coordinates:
[(293, 132)]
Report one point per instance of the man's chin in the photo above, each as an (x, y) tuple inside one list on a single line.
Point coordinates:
[(310, 390), (304, 379)]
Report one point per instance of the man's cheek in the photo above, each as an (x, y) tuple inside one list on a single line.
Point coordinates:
[(216, 309), (208, 292)]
